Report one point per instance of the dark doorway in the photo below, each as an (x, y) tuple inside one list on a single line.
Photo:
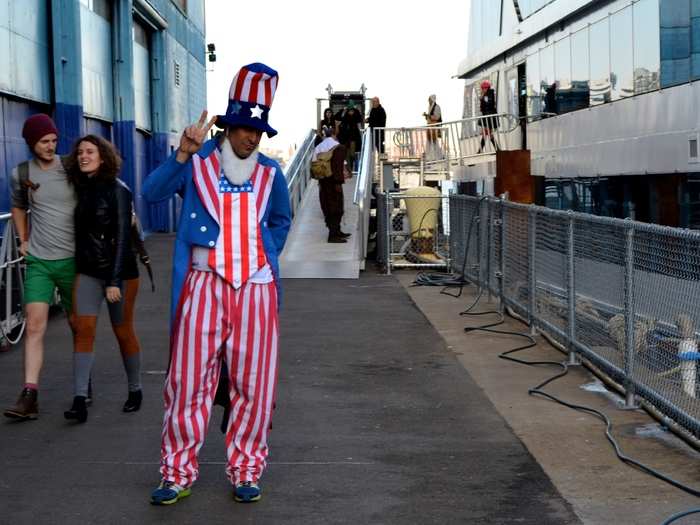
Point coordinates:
[(522, 103)]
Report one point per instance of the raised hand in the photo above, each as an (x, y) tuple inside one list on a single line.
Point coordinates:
[(194, 136)]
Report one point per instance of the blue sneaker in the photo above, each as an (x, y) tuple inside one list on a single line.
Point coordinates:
[(247, 492), (168, 493)]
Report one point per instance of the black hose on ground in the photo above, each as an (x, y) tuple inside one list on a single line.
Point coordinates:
[(538, 391)]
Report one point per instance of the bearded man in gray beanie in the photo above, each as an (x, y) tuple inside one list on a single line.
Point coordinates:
[(41, 186)]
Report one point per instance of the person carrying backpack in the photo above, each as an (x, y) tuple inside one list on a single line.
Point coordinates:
[(47, 238), (328, 167)]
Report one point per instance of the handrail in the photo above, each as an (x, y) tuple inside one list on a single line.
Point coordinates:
[(298, 172), (362, 197), (364, 172), (293, 166)]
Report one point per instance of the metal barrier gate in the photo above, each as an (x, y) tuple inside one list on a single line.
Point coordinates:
[(12, 321), (413, 230)]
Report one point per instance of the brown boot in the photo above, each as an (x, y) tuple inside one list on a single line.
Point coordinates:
[(27, 406)]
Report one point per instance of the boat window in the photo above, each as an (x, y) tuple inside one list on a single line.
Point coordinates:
[(600, 62), (621, 54), (647, 61)]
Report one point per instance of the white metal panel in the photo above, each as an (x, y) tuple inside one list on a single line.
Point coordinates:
[(96, 54), (643, 134), (142, 87), (24, 49), (177, 108), (5, 62), (195, 12), (197, 98)]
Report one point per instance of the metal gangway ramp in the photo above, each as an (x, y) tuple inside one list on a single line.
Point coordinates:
[(307, 254), (449, 151)]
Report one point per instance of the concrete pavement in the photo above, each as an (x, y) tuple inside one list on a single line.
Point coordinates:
[(377, 422), (569, 445)]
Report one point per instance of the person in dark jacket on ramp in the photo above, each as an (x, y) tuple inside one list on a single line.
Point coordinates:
[(330, 189)]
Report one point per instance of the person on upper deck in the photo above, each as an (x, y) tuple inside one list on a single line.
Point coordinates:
[(377, 119), (487, 104), (433, 117)]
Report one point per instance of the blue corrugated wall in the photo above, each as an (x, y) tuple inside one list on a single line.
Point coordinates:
[(58, 23)]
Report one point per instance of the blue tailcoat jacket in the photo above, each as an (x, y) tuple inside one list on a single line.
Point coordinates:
[(198, 227)]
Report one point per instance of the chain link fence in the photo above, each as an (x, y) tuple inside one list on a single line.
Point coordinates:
[(622, 294)]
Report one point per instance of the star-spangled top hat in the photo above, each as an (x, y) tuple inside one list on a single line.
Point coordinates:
[(250, 98)]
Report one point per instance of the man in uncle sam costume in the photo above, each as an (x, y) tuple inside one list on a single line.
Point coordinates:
[(233, 225)]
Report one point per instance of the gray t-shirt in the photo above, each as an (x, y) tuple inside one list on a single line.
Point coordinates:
[(52, 205)]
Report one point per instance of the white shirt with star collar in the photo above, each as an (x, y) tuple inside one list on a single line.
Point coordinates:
[(237, 171)]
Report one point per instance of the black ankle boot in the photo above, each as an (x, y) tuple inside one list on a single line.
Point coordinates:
[(133, 402), (78, 411)]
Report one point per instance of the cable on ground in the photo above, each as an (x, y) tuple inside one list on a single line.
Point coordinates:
[(680, 515), (538, 391)]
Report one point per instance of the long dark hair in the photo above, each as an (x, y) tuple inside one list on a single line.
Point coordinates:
[(331, 118), (111, 161)]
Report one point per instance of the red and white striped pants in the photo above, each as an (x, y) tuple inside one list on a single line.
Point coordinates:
[(241, 326)]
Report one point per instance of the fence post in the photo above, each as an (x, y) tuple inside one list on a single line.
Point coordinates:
[(489, 243), (477, 228), (389, 210), (501, 257), (571, 292), (531, 258), (630, 401), (6, 256)]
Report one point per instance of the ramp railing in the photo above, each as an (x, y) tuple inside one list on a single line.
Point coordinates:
[(621, 294), (299, 171), (363, 189)]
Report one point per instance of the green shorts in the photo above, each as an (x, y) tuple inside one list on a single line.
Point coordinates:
[(44, 276)]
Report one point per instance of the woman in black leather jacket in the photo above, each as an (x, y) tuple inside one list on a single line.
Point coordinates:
[(105, 264)]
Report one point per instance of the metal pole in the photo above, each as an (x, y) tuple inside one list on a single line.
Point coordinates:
[(8, 284), (501, 258), (629, 319), (489, 244), (6, 250), (571, 293), (389, 211), (479, 266), (531, 258)]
